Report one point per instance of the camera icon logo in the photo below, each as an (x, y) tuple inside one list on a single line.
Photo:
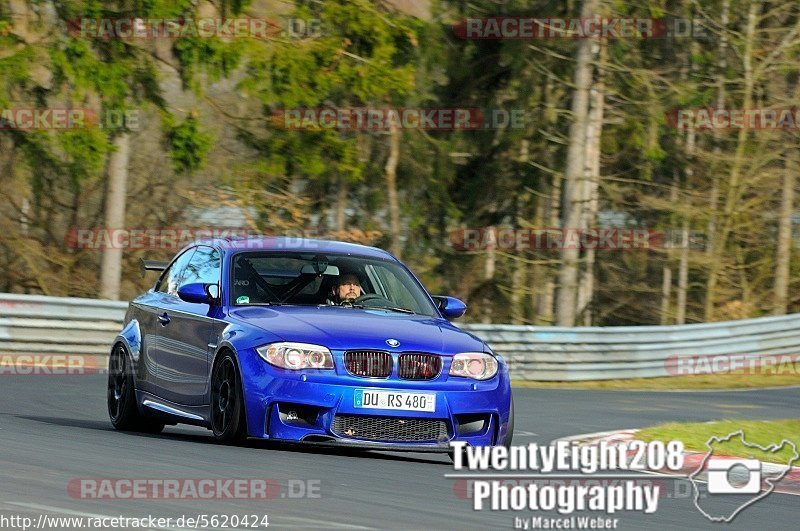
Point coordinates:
[(724, 486), (734, 476)]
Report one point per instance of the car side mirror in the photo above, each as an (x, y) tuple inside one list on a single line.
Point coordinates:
[(199, 293), (450, 307), (213, 293)]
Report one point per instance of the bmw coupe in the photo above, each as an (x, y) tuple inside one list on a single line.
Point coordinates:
[(306, 341)]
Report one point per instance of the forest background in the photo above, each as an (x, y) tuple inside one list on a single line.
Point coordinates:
[(188, 132)]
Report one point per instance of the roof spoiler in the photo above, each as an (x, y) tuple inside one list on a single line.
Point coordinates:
[(152, 265)]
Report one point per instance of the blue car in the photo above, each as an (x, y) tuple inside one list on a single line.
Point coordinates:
[(308, 341)]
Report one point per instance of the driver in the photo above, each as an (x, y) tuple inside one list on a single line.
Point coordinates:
[(346, 289)]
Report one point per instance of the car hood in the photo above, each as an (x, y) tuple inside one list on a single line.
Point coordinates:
[(352, 328)]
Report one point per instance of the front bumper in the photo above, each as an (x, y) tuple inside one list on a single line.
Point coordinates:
[(302, 407), (349, 444)]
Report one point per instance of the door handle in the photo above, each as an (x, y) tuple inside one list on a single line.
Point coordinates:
[(163, 319)]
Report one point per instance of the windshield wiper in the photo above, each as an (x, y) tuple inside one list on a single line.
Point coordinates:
[(387, 308), (271, 304)]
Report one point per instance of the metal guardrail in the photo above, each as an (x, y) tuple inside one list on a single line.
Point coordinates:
[(604, 353), (35, 324)]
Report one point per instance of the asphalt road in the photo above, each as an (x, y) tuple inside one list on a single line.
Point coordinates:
[(54, 429)]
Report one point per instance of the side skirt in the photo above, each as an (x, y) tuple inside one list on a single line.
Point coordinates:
[(172, 413)]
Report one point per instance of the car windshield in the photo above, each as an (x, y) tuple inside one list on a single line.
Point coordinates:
[(312, 279)]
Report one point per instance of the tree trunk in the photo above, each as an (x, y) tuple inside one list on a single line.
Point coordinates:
[(784, 247), (691, 151), (594, 131), (722, 65), (666, 289), (538, 272), (519, 285), (683, 275), (739, 160), (489, 265), (548, 296), (549, 216), (341, 206), (666, 270), (574, 175), (517, 291), (391, 188), (111, 264)]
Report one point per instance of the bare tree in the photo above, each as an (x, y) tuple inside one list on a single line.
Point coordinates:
[(737, 166), (784, 245), (594, 131), (574, 175), (391, 188), (111, 264)]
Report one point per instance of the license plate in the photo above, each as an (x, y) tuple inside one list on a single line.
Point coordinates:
[(368, 399)]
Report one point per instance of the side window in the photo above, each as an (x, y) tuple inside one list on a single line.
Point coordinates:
[(205, 266), (171, 278)]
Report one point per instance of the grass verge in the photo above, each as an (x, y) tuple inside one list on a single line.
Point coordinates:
[(761, 432)]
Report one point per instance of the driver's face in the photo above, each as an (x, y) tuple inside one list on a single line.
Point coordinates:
[(348, 288)]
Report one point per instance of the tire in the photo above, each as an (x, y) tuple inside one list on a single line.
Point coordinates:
[(121, 396), (228, 423), (510, 427)]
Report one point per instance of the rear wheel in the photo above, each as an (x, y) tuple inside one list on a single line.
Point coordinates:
[(121, 396), (228, 422)]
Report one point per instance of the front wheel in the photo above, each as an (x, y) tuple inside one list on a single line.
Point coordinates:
[(227, 406), (510, 425), (121, 396)]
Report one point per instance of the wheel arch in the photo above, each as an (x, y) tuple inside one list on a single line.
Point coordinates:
[(120, 340), (227, 347), (130, 337)]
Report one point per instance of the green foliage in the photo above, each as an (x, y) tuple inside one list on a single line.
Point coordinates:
[(370, 55), (188, 144), (214, 57), (364, 57), (14, 74), (84, 152)]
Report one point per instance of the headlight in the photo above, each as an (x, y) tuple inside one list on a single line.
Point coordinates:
[(296, 356), (475, 365)]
